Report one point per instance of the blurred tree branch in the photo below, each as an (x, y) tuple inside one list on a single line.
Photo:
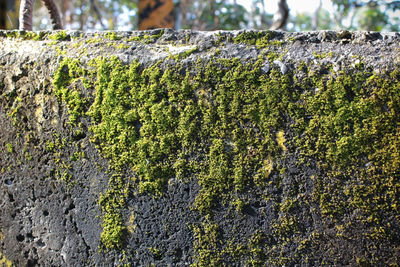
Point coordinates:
[(281, 16)]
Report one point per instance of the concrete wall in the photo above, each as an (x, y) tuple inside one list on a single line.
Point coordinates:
[(162, 148)]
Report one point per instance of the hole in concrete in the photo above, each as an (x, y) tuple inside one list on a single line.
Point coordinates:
[(257, 204), (45, 213), (40, 243), (70, 207), (178, 253), (29, 235), (78, 136), (32, 263), (20, 238), (249, 210)]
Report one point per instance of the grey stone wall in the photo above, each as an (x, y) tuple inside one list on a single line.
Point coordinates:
[(53, 173)]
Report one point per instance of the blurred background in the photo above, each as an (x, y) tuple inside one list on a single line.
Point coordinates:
[(290, 15)]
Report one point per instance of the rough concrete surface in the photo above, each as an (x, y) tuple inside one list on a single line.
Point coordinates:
[(314, 193)]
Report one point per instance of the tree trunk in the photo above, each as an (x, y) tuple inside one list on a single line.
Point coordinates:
[(281, 16), (156, 14), (64, 10), (26, 10), (263, 21), (54, 14), (315, 20), (3, 15), (97, 12), (25, 15), (214, 18)]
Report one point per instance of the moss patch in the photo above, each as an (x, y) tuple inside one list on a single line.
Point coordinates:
[(261, 39), (231, 127), (4, 261)]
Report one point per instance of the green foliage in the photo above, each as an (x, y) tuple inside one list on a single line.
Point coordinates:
[(212, 15), (303, 21), (370, 15), (372, 19), (224, 15)]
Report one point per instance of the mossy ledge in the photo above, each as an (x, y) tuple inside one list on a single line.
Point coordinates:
[(211, 149)]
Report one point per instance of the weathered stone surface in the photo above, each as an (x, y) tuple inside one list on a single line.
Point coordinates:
[(234, 148)]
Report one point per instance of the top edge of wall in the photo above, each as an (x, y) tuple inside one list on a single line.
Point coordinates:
[(340, 36)]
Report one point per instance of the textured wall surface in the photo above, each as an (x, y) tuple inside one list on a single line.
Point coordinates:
[(168, 148)]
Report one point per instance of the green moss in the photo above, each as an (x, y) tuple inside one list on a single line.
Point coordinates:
[(241, 124), (10, 148), (207, 243), (280, 138), (113, 36), (96, 39), (15, 108), (5, 262), (322, 55), (260, 39), (60, 36), (122, 46), (112, 202), (147, 39), (57, 146), (140, 117), (31, 36), (157, 254), (185, 54), (27, 35), (65, 80), (12, 34)]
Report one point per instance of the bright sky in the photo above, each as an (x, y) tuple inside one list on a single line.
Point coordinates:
[(295, 6)]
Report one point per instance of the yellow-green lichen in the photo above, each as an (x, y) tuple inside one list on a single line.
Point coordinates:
[(5, 262)]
